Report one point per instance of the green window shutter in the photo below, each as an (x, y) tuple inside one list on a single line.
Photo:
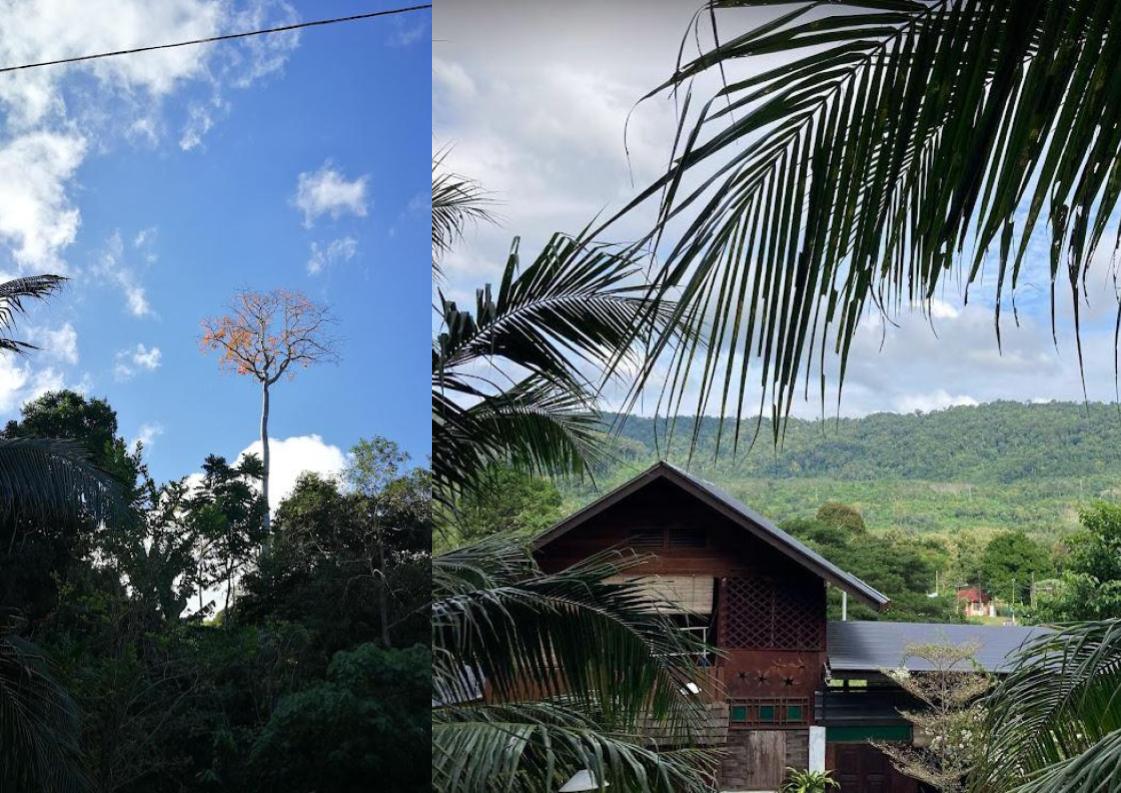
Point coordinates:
[(739, 713)]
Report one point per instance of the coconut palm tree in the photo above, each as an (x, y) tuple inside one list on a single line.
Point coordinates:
[(40, 479), (858, 156), (571, 666)]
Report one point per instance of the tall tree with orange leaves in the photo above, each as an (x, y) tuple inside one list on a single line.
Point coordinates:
[(269, 335)]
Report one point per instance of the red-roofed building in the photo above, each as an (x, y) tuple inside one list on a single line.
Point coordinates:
[(976, 602)]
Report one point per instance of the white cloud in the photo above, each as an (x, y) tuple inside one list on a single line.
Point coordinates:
[(453, 80), (147, 434), (936, 400), (327, 192), (261, 56), (138, 358), (37, 219), (111, 267), (289, 457), (199, 122), (322, 257), (36, 30), (60, 343), (145, 237), (405, 35), (21, 381)]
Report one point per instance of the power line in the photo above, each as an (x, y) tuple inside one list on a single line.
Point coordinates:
[(225, 37)]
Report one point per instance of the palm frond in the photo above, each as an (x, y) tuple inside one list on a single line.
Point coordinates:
[(572, 633), (1062, 701), (891, 137), (574, 305), (533, 425), (537, 675), (13, 293), (533, 746), (49, 478), (457, 202), (39, 726), (1095, 769), (515, 380)]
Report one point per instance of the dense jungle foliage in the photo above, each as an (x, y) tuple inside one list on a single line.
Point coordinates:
[(195, 653)]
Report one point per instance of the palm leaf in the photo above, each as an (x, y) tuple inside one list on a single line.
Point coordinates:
[(13, 294), (854, 176), (51, 478), (515, 381), (38, 724), (572, 633), (457, 202), (570, 663), (533, 425), (530, 746), (1056, 711)]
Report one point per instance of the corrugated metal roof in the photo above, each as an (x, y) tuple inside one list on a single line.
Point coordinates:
[(861, 645), (738, 511)]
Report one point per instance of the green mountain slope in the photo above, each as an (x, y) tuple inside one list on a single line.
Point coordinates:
[(985, 468)]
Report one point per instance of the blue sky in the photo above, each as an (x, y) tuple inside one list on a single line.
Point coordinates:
[(164, 185)]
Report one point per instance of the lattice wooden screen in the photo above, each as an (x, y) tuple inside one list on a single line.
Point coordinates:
[(762, 613)]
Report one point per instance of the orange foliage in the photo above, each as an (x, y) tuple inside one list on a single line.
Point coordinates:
[(266, 334)]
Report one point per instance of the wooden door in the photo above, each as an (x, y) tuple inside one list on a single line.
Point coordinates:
[(754, 760), (862, 768)]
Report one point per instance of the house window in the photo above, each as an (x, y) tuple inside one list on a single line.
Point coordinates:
[(767, 712)]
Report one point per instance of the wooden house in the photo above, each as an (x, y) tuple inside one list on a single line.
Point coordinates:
[(787, 687)]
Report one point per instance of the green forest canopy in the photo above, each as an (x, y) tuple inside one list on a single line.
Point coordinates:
[(987, 468)]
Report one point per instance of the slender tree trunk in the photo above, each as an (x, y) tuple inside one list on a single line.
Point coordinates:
[(226, 610), (383, 595), (265, 456)]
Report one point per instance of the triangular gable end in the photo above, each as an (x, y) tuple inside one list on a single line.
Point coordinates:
[(744, 517)]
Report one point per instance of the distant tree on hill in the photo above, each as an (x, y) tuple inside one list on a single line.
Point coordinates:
[(835, 513), (1013, 559)]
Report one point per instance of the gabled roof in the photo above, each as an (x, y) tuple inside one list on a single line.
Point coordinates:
[(863, 646), (734, 510), (973, 594)]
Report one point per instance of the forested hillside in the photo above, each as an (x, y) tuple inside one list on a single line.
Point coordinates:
[(996, 466)]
